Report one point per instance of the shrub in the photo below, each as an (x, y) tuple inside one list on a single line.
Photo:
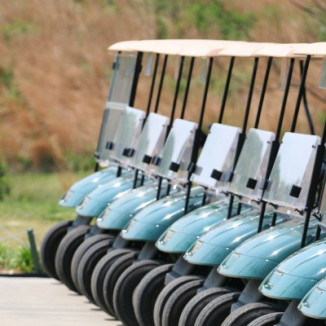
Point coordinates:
[(18, 259), (4, 186)]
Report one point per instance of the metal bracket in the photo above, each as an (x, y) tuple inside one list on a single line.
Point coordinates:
[(109, 145), (119, 242), (216, 174), (213, 280), (148, 251), (292, 316), (174, 166), (147, 159), (180, 268), (249, 294)]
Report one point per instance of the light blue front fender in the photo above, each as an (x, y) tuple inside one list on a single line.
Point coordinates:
[(185, 231), (123, 209), (79, 190), (154, 219), (257, 256), (212, 247), (296, 275), (313, 304), (96, 201)]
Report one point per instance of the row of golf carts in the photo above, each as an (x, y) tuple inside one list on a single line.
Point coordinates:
[(189, 224)]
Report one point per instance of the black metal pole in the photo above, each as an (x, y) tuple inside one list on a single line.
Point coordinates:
[(176, 93), (263, 91), (149, 102), (285, 98), (275, 144), (191, 66), (203, 106), (301, 91), (251, 90), (305, 104), (274, 219), (158, 97), (248, 105), (136, 78), (314, 184), (230, 207), (96, 166), (226, 89), (159, 188), (195, 148), (204, 199), (132, 97), (150, 96)]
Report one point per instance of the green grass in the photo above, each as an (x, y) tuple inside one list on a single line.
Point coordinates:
[(19, 259), (32, 202)]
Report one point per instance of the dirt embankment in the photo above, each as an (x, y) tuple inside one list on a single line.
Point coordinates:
[(55, 69)]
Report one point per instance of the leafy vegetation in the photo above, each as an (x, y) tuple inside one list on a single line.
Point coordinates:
[(18, 259), (315, 18), (17, 28), (233, 25), (32, 202), (4, 187)]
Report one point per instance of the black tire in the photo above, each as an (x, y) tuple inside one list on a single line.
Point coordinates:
[(166, 293), (99, 273), (87, 265), (217, 310), (267, 320), (178, 300), (124, 289), (65, 252), (274, 318), (112, 276), (198, 303), (249, 312), (146, 293), (81, 250), (50, 244)]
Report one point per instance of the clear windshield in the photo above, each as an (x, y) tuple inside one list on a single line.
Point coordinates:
[(119, 96), (122, 78), (217, 154), (127, 135), (175, 157), (111, 120), (291, 174), (252, 164), (150, 142)]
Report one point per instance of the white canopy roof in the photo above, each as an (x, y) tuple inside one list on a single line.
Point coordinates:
[(211, 48)]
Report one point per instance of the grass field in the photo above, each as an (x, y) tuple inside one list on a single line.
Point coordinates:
[(31, 203)]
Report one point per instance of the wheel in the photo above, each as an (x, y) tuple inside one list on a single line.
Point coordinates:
[(112, 276), (99, 274), (50, 244), (197, 303), (87, 265), (81, 250), (274, 318), (267, 320), (65, 252), (249, 312), (166, 293), (146, 293), (177, 301), (217, 310), (124, 289)]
